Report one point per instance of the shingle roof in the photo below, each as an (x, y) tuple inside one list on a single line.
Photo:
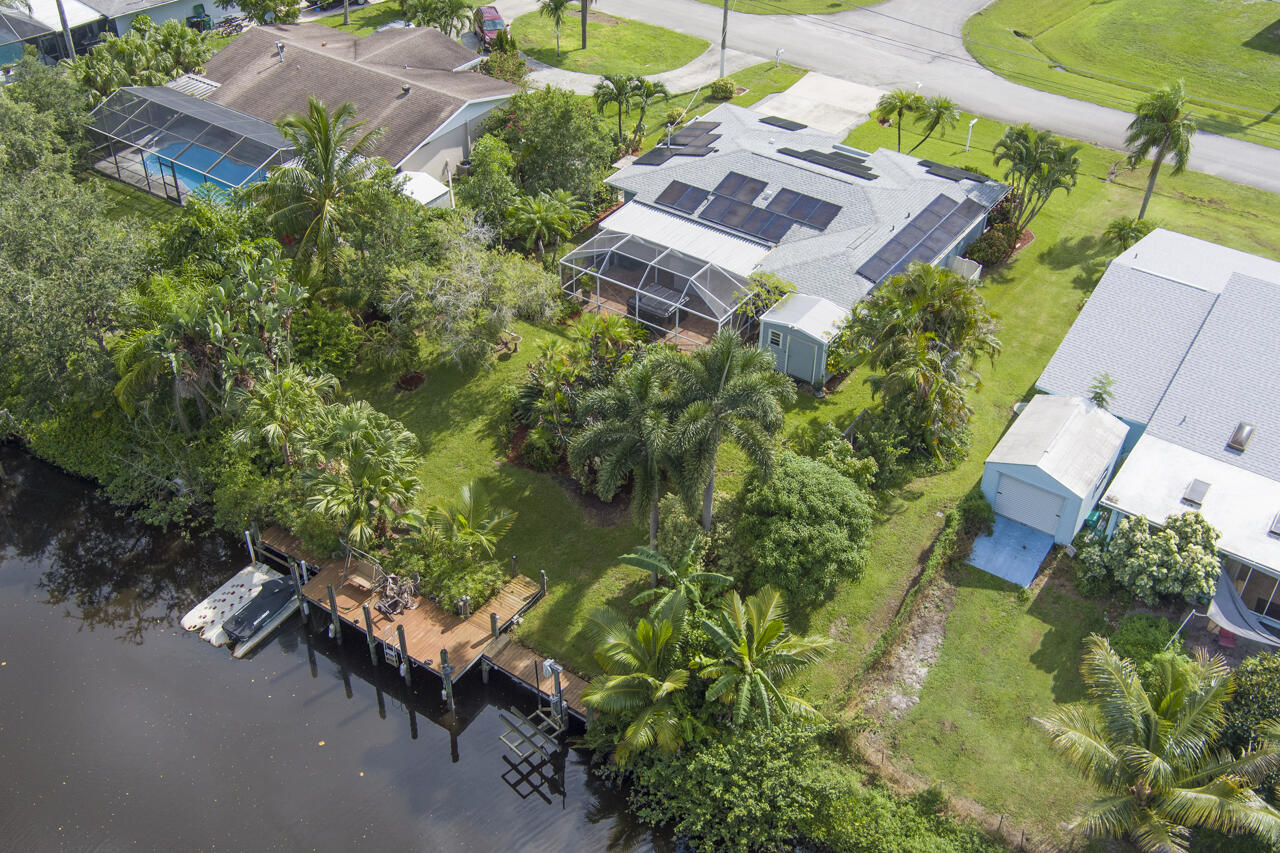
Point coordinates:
[(330, 64), (823, 264)]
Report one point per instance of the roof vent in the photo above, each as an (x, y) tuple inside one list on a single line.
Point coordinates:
[(1240, 438), (405, 88), (280, 50), (1195, 492), (1275, 525)]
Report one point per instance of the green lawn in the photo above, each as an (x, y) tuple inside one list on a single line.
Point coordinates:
[(791, 7), (126, 200), (614, 45), (1112, 53), (365, 19)]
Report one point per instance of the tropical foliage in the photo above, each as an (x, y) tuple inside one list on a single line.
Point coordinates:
[(472, 521), (1178, 559), (1037, 165), (934, 112), (451, 17), (1125, 231), (894, 106), (1151, 752), (1161, 129), (678, 587), (146, 55)]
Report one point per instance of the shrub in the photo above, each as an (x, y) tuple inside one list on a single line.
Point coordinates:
[(994, 246), (541, 449), (723, 89), (879, 436), (978, 516), (326, 339), (800, 530), (1003, 213), (1180, 559), (1092, 575), (1140, 637), (672, 118), (445, 572), (1256, 700)]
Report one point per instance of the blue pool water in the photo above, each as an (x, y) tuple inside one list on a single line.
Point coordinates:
[(190, 166)]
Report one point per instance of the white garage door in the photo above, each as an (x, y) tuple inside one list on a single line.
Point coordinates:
[(1028, 504)]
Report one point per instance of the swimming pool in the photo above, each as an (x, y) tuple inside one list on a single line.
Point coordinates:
[(190, 163)]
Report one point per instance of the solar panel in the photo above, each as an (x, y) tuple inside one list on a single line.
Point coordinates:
[(951, 173), (782, 201), (823, 215), (909, 243), (655, 157), (690, 151), (682, 197), (837, 160), (784, 123), (806, 209), (726, 211), (956, 223), (741, 187), (690, 132)]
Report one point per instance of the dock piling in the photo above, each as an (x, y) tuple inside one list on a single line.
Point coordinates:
[(295, 572), (248, 541), (446, 672), (485, 666), (405, 667), (335, 626), (370, 637), (543, 572), (493, 624)]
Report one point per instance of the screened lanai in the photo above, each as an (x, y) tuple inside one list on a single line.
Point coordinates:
[(168, 143), (680, 297)]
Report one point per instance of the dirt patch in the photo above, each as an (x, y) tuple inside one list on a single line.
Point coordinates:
[(595, 18), (596, 511), (894, 687)]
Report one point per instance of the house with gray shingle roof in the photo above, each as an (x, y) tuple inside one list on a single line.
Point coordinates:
[(739, 192), (1189, 332)]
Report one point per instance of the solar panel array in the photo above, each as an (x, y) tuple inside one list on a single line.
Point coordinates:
[(837, 160), (951, 173), (784, 123), (682, 197), (655, 156), (692, 140), (756, 221), (806, 209), (924, 238), (740, 187)]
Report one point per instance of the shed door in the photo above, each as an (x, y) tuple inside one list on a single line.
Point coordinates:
[(1027, 504), (802, 355)]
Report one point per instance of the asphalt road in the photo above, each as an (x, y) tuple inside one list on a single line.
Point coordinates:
[(864, 46)]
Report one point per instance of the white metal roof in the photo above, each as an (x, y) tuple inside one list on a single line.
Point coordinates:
[(1070, 439), (1239, 503), (818, 318), (194, 85), (709, 244), (423, 188), (46, 12), (1192, 261)]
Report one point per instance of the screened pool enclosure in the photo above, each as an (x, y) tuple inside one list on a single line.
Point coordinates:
[(680, 298), (168, 143)]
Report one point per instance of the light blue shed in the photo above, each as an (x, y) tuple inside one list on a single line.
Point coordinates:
[(797, 331), (1053, 464)]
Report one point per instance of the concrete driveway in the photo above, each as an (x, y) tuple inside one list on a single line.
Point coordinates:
[(827, 103)]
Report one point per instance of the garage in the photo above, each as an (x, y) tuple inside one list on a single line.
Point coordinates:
[(1037, 508)]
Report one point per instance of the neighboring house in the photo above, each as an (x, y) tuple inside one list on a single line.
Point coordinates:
[(414, 83), (738, 191), (1189, 332), (88, 20)]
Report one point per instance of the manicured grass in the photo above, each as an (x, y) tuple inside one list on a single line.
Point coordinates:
[(1113, 53), (614, 45), (126, 200), (791, 7), (365, 19), (452, 416)]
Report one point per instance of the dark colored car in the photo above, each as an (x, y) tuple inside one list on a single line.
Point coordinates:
[(487, 23), (337, 4), (246, 622)]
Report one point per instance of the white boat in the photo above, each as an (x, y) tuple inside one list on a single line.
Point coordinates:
[(208, 616)]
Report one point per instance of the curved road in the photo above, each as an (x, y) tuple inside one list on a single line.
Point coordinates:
[(864, 46)]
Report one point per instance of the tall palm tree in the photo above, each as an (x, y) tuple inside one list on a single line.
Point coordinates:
[(452, 16), (279, 405), (556, 10), (934, 112), (333, 160), (538, 219), (1160, 124), (685, 581), (754, 653), (629, 431), (926, 386), (1038, 165), (642, 680), (1150, 751), (617, 89), (1123, 232), (644, 94), (472, 521), (725, 390), (895, 105)]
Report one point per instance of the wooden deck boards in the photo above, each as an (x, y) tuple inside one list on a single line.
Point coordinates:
[(525, 665)]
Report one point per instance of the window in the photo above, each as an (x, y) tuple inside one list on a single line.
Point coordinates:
[(775, 338)]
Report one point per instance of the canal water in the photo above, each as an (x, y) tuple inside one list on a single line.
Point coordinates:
[(120, 731)]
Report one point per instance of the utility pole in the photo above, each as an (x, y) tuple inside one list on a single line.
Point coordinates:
[(724, 35), (66, 31), (583, 4), (346, 13)]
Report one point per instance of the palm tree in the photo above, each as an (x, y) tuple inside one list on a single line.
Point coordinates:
[(642, 680), (895, 105), (926, 387), (471, 521), (452, 16), (279, 404), (685, 580), (934, 112), (1160, 124), (538, 219), (628, 431), (755, 652), (618, 89), (1039, 164), (556, 10), (333, 161), (1151, 753), (1125, 231), (644, 94), (723, 390), (605, 336)]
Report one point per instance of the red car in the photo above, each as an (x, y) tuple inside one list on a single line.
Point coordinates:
[(487, 23)]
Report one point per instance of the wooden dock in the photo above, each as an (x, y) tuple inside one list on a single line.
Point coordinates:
[(525, 665)]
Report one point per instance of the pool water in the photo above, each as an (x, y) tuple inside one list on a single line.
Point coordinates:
[(190, 165)]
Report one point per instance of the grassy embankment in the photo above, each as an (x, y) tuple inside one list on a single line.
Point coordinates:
[(1113, 53), (614, 45)]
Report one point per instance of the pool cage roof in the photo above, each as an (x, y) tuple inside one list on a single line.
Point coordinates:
[(223, 144), (662, 272)]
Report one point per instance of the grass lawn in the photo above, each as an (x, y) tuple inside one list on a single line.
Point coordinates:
[(791, 7), (365, 19), (127, 200), (1112, 53), (614, 45)]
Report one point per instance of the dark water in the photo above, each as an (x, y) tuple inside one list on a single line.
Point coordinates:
[(120, 731)]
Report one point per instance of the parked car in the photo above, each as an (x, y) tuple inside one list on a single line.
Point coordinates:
[(487, 23), (337, 4)]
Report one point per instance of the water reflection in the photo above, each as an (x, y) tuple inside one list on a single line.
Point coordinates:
[(141, 736)]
